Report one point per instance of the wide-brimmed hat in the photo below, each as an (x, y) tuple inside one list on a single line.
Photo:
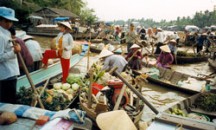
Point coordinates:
[(115, 120), (66, 24), (134, 46), (204, 34), (173, 41), (8, 14), (27, 37), (165, 48), (105, 53), (159, 29)]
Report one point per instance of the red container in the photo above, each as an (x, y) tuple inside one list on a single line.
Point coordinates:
[(96, 88), (117, 84)]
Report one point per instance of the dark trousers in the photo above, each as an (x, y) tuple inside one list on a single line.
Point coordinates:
[(199, 48), (8, 90), (158, 50)]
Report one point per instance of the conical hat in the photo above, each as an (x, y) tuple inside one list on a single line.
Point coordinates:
[(134, 46), (165, 48), (115, 120), (173, 41), (66, 24), (105, 53)]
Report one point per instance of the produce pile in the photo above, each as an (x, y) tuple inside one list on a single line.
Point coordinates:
[(54, 99), (206, 101)]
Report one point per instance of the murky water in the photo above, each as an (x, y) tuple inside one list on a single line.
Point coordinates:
[(160, 97)]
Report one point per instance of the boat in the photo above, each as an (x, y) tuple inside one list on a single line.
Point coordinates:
[(212, 63), (185, 115), (173, 79), (52, 31), (40, 76), (95, 49)]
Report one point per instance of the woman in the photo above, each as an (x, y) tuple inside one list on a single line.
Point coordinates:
[(165, 58), (134, 57), (64, 43), (131, 37)]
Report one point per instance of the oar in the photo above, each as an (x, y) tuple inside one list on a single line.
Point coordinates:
[(29, 78), (113, 70)]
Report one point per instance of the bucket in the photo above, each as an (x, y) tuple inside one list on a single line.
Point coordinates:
[(96, 88)]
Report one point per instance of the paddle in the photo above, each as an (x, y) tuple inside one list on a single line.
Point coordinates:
[(29, 78), (113, 70)]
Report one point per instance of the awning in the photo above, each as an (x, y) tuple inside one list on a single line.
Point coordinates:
[(35, 17), (61, 18)]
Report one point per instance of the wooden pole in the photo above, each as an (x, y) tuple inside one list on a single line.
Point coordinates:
[(29, 78), (119, 98), (90, 88), (134, 90)]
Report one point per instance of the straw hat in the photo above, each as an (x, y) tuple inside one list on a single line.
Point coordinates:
[(66, 24), (165, 48), (115, 120), (204, 34), (27, 37), (134, 46), (159, 29), (105, 53), (173, 41), (8, 14)]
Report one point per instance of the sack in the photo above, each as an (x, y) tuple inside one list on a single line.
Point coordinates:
[(77, 116)]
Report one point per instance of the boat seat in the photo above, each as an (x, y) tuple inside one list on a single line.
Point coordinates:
[(168, 74)]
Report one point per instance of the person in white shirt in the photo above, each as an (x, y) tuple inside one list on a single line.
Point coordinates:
[(35, 51), (160, 40), (64, 43), (9, 67), (111, 60)]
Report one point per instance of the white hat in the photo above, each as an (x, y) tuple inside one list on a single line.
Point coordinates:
[(27, 37), (66, 24), (115, 120), (204, 34), (105, 53), (173, 41), (159, 29), (165, 48), (134, 46)]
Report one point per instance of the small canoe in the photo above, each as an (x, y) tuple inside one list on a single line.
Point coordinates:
[(185, 115), (172, 79), (41, 75), (212, 63)]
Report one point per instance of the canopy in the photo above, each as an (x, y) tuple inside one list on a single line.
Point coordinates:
[(61, 18), (35, 17)]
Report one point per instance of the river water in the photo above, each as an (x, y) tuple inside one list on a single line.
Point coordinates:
[(160, 97)]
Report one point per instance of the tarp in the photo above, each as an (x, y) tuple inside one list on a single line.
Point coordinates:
[(61, 18), (35, 17)]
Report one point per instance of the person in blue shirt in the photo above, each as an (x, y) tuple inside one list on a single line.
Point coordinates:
[(9, 67), (200, 42)]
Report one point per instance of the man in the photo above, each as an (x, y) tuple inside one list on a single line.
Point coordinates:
[(111, 60), (35, 51), (8, 60), (159, 36)]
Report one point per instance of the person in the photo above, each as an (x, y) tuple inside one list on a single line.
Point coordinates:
[(26, 55), (134, 58), (35, 51), (142, 33), (111, 60), (64, 42), (165, 58), (173, 47), (177, 38), (131, 37), (8, 60), (160, 40), (200, 42)]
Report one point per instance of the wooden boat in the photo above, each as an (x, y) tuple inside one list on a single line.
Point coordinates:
[(52, 31), (41, 75), (171, 79), (212, 63), (168, 121)]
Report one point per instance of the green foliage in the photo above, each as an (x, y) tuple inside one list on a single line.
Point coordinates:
[(207, 102)]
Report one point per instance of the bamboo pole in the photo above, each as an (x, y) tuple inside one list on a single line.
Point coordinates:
[(119, 98), (90, 88)]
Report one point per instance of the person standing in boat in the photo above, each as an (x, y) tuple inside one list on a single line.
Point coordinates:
[(134, 57), (111, 60), (165, 59), (8, 60), (173, 47), (26, 55), (142, 33), (131, 37), (159, 36), (64, 42), (35, 50)]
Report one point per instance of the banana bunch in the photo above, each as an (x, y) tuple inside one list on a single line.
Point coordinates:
[(177, 111)]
